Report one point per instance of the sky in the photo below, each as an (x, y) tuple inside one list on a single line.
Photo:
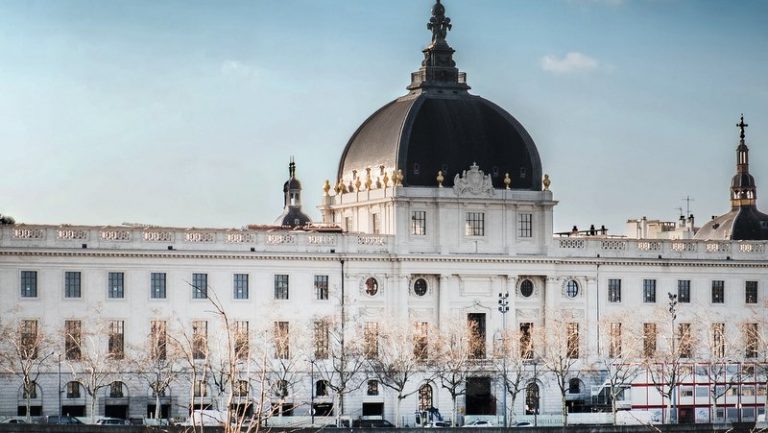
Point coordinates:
[(186, 113)]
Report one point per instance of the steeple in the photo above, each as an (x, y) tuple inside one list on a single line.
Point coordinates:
[(438, 70), (743, 189), (292, 215)]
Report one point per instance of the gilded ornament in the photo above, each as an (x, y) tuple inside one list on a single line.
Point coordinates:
[(507, 181), (327, 187), (386, 179), (546, 182), (440, 178)]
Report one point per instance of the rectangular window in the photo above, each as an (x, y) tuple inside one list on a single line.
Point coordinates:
[(524, 225), (73, 334), (419, 222), (281, 286), (321, 287), (30, 342), (242, 339), (241, 286), (200, 389), (684, 340), (614, 351), (116, 288), (73, 389), (718, 291), (199, 286), (572, 340), (29, 284), (116, 347), (371, 339), (526, 340), (321, 339), (614, 290), (751, 340), (199, 339), (718, 340), (474, 224), (348, 224), (71, 284), (476, 329), (750, 292), (375, 224), (158, 339), (157, 285), (649, 291), (282, 340), (373, 387), (684, 291), (649, 340), (420, 339)]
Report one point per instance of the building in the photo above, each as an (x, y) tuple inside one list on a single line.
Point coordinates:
[(436, 234)]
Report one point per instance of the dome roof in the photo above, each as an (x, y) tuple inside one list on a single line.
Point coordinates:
[(744, 221), (440, 126)]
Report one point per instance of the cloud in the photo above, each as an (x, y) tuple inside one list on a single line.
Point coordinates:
[(572, 62), (234, 68)]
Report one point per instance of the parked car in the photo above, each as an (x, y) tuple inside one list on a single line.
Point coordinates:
[(111, 421), (13, 421), (479, 423), (523, 424), (55, 419)]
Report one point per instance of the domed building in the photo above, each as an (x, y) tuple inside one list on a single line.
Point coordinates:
[(435, 254), (443, 169), (744, 222)]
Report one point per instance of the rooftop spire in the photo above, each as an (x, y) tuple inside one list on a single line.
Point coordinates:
[(438, 68), (741, 125), (743, 188)]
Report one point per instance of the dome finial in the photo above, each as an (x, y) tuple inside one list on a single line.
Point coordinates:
[(292, 168), (439, 23), (741, 125)]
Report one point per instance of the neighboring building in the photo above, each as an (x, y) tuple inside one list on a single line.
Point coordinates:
[(645, 228), (440, 209)]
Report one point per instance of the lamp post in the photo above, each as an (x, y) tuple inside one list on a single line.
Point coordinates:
[(504, 309), (312, 391), (672, 390), (60, 390)]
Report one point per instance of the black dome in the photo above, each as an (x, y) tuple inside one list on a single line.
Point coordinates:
[(425, 132)]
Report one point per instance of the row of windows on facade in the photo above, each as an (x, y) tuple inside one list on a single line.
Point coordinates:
[(474, 224), (158, 285), (371, 337), (683, 291)]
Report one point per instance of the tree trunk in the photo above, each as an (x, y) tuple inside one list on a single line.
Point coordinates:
[(157, 404), (565, 411), (397, 409), (613, 407)]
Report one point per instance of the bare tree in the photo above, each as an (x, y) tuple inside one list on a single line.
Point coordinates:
[(561, 342), (24, 351), (94, 359), (192, 345), (512, 357), (453, 361), (719, 353), (290, 348), (401, 357), (346, 359), (620, 356), (663, 364), (157, 362), (754, 336)]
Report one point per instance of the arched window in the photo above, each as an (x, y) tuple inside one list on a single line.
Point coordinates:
[(425, 397), (117, 389), (532, 399), (574, 386), (29, 391), (526, 288), (571, 288)]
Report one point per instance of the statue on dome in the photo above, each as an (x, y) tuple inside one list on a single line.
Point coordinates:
[(439, 23)]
